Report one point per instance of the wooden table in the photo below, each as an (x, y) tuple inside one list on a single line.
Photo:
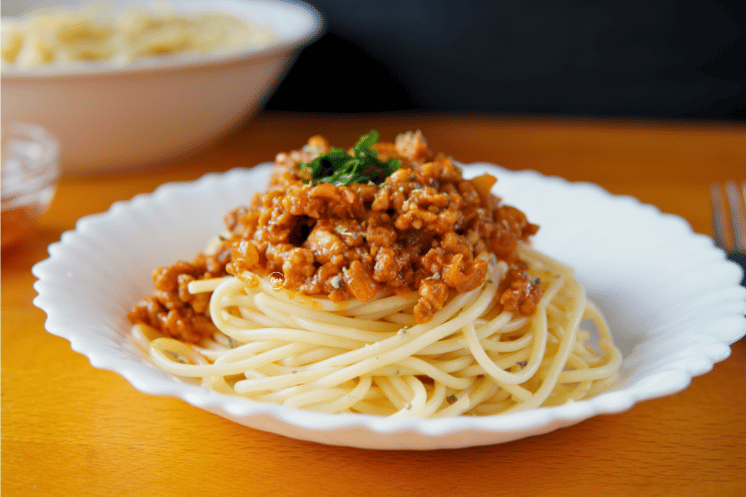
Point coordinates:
[(71, 430)]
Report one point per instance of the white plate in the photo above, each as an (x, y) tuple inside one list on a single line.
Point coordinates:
[(673, 301)]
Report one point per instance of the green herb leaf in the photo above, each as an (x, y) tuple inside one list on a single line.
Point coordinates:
[(340, 168), (364, 143)]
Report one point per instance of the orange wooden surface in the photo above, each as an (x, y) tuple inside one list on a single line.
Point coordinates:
[(71, 430)]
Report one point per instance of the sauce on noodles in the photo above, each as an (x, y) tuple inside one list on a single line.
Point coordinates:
[(420, 229), (378, 280)]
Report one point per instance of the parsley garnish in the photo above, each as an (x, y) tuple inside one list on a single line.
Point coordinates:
[(340, 168)]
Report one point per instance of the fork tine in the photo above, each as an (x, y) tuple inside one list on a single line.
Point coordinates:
[(737, 214), (718, 215)]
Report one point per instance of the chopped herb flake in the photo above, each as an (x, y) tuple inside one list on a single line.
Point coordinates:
[(176, 357), (451, 399)]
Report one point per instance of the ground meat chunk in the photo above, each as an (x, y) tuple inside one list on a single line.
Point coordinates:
[(433, 294), (412, 146), (389, 264), (172, 309), (324, 242), (519, 293)]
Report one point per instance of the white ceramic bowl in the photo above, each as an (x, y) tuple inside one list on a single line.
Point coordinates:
[(672, 300), (109, 116)]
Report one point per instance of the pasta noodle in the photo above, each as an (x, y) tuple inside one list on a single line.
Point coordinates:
[(415, 294), (96, 33), (283, 347)]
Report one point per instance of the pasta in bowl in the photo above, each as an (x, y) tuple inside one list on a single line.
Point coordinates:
[(136, 86), (94, 34), (655, 361)]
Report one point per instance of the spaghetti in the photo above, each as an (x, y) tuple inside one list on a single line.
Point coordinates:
[(476, 353), (63, 36)]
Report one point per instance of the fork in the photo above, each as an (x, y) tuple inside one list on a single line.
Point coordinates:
[(730, 236)]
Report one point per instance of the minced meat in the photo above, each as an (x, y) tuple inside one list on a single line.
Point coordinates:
[(421, 230)]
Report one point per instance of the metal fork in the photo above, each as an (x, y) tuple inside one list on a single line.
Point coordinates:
[(729, 223)]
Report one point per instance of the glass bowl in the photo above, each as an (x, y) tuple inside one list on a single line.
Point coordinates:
[(30, 169)]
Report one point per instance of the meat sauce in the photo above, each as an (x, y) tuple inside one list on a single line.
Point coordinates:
[(419, 230)]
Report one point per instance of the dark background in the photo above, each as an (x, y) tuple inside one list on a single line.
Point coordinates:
[(653, 58)]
